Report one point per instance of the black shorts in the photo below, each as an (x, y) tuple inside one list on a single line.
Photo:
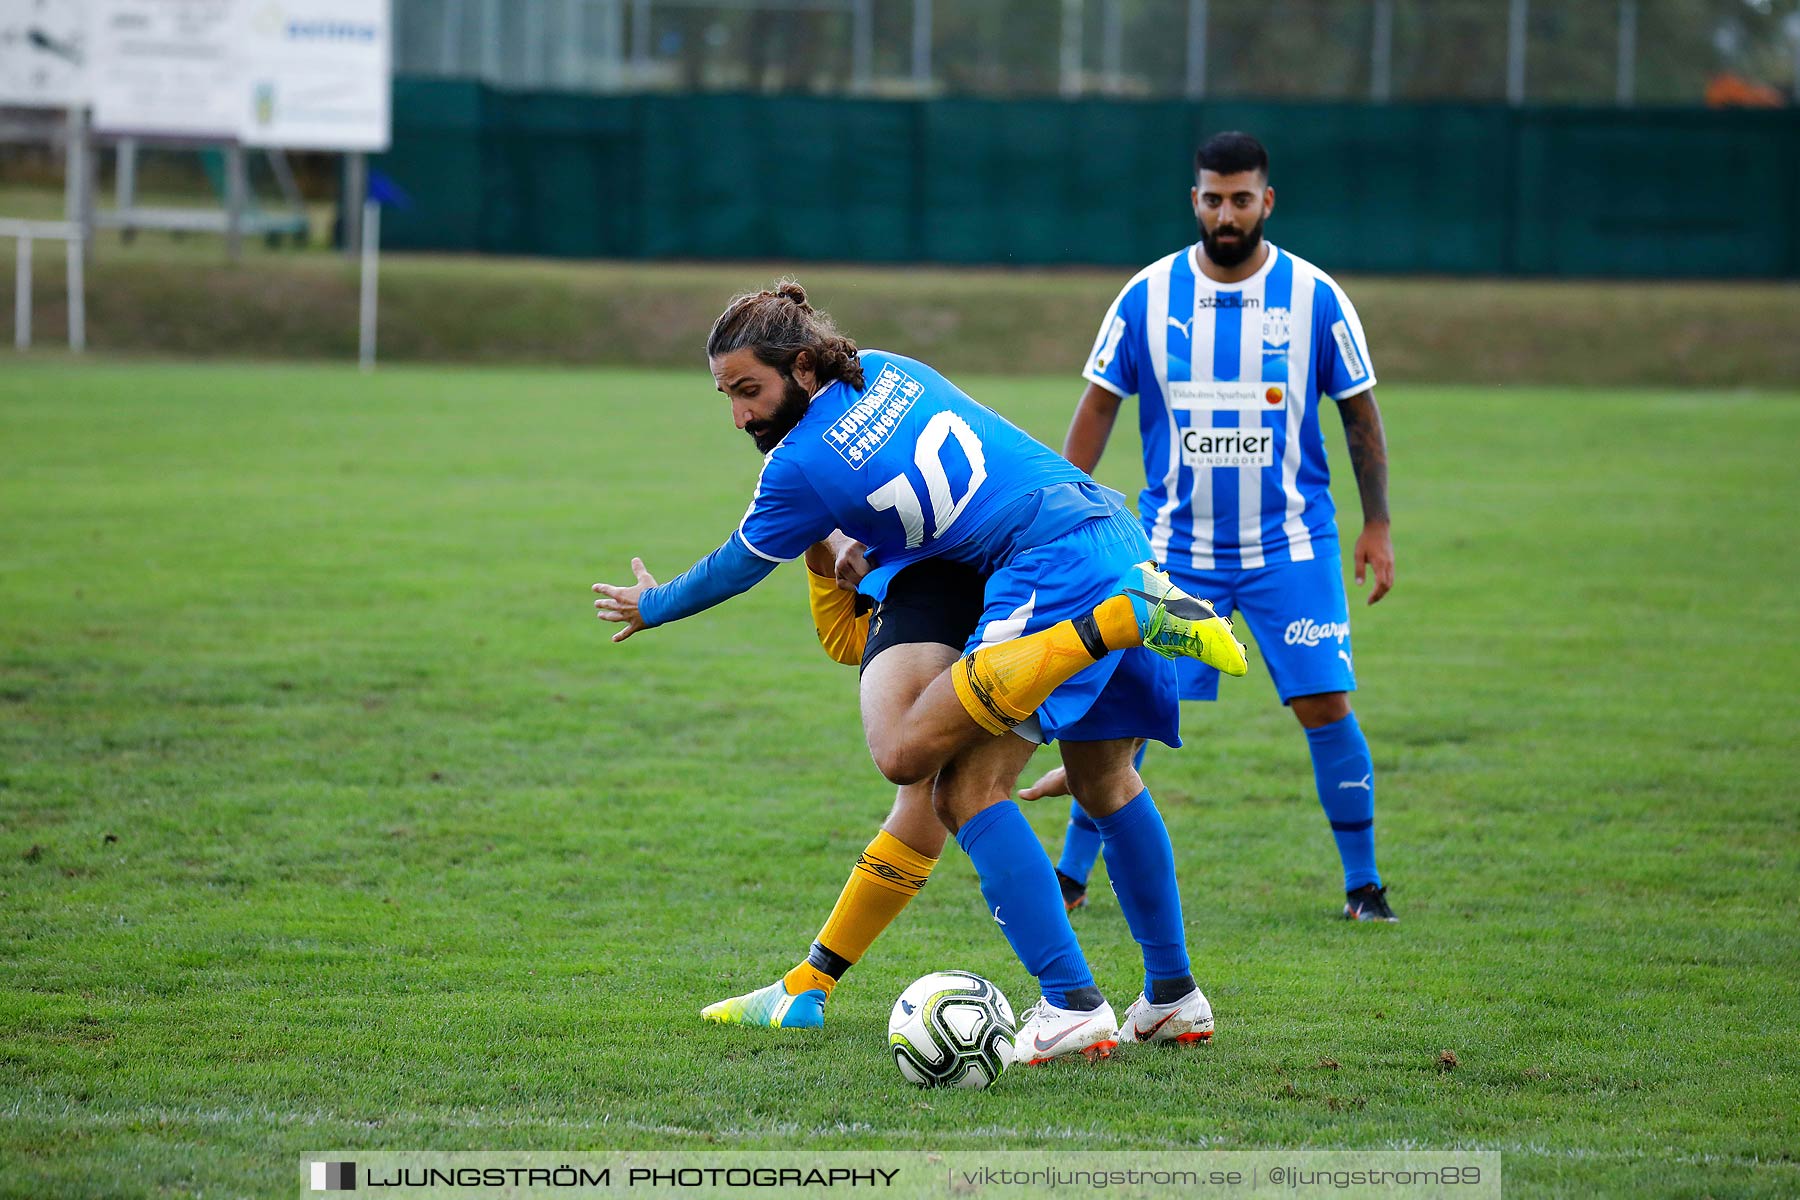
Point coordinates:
[(934, 601)]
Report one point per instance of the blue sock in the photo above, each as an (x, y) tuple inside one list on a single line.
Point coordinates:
[(1021, 893), (1141, 863), (1081, 845), (1345, 775), (1082, 841)]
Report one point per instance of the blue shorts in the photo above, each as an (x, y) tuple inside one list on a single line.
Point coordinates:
[(1296, 611), (1128, 694)]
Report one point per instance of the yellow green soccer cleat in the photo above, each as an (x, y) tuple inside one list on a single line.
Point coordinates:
[(1177, 625), (772, 1007)]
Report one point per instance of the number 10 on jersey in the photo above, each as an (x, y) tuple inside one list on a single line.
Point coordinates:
[(899, 495)]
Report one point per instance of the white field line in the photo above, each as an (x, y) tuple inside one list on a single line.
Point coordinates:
[(464, 1119), (1539, 1150)]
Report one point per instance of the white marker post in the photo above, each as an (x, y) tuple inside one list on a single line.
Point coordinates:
[(70, 234), (22, 296), (77, 276), (371, 271)]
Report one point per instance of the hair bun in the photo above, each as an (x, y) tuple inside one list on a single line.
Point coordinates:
[(790, 289)]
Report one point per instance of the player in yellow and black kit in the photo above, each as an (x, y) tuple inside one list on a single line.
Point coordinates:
[(930, 610)]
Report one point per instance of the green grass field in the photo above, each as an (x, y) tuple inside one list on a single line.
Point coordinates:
[(330, 818)]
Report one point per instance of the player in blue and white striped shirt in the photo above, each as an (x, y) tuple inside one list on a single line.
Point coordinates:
[(1230, 346)]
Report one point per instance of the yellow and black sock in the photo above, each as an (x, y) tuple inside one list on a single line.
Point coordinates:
[(887, 875), (1115, 624), (1002, 684)]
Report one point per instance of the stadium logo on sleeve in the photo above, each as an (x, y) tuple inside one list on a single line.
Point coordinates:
[(334, 1177), (1353, 360)]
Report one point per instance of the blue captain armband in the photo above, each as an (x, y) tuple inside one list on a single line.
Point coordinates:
[(729, 571)]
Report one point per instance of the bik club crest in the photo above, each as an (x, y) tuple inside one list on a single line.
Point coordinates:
[(1276, 330)]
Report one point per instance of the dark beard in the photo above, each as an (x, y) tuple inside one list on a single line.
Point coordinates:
[(768, 434), (1231, 254)]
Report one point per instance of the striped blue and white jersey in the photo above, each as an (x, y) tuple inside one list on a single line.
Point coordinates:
[(1228, 379)]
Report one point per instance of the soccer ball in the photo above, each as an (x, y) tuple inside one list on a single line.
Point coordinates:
[(951, 1029)]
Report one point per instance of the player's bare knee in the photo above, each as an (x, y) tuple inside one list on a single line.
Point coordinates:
[(900, 763), (959, 799), (1321, 709), (1101, 777), (1105, 795)]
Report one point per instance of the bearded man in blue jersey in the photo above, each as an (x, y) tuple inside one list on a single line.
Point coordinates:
[(1230, 345), (1074, 641)]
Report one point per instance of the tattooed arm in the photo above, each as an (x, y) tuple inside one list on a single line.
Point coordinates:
[(1368, 459)]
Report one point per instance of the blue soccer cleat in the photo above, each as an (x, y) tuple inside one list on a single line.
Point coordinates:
[(772, 1007)]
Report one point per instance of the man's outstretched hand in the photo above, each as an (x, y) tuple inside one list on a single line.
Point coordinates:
[(620, 604), (1054, 782)]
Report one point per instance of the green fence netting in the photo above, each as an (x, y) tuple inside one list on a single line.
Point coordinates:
[(1458, 189)]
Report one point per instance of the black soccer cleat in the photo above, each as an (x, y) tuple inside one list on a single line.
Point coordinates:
[(1074, 892), (1368, 903)]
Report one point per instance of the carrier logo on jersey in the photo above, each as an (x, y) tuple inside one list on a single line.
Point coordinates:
[(1353, 359), (871, 421), (1109, 346), (1277, 329), (1249, 396), (1253, 447), (1311, 633)]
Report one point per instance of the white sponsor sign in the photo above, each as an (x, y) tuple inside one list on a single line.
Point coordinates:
[(1252, 447), (1228, 397), (43, 53), (317, 74), (307, 74), (167, 67)]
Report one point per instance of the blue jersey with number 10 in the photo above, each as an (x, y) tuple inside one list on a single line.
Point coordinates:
[(913, 468)]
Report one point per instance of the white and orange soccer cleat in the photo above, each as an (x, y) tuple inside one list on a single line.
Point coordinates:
[(1189, 1019), (1049, 1032)]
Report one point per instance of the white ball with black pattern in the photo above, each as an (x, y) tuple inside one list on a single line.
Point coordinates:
[(951, 1029)]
